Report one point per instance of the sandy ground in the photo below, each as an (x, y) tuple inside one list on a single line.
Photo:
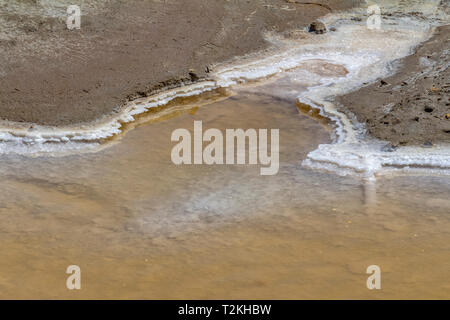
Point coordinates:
[(413, 106), (125, 49)]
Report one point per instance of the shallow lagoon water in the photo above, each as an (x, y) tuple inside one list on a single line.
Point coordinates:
[(142, 227)]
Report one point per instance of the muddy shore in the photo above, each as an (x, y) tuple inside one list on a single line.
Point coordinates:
[(412, 106), (126, 49)]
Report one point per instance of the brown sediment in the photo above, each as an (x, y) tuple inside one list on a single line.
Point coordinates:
[(126, 50), (411, 106), (324, 68), (313, 113)]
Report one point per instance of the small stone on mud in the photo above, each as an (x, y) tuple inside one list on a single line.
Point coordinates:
[(317, 27), (383, 83), (427, 144), (193, 75)]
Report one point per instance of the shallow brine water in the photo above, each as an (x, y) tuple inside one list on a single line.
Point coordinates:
[(141, 227)]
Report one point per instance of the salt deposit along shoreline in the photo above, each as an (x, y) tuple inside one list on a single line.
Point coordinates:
[(367, 55)]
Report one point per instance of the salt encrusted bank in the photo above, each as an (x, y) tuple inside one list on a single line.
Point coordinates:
[(366, 55)]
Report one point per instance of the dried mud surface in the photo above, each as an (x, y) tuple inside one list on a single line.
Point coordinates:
[(50, 75)]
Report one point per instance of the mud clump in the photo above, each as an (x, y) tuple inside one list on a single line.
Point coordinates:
[(193, 75)]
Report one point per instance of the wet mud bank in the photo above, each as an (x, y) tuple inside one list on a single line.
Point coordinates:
[(412, 106)]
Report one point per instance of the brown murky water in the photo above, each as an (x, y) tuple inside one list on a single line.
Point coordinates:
[(141, 227)]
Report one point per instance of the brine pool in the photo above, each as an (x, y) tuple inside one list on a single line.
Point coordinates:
[(141, 227)]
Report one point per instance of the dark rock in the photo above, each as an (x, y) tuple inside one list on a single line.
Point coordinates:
[(317, 27)]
